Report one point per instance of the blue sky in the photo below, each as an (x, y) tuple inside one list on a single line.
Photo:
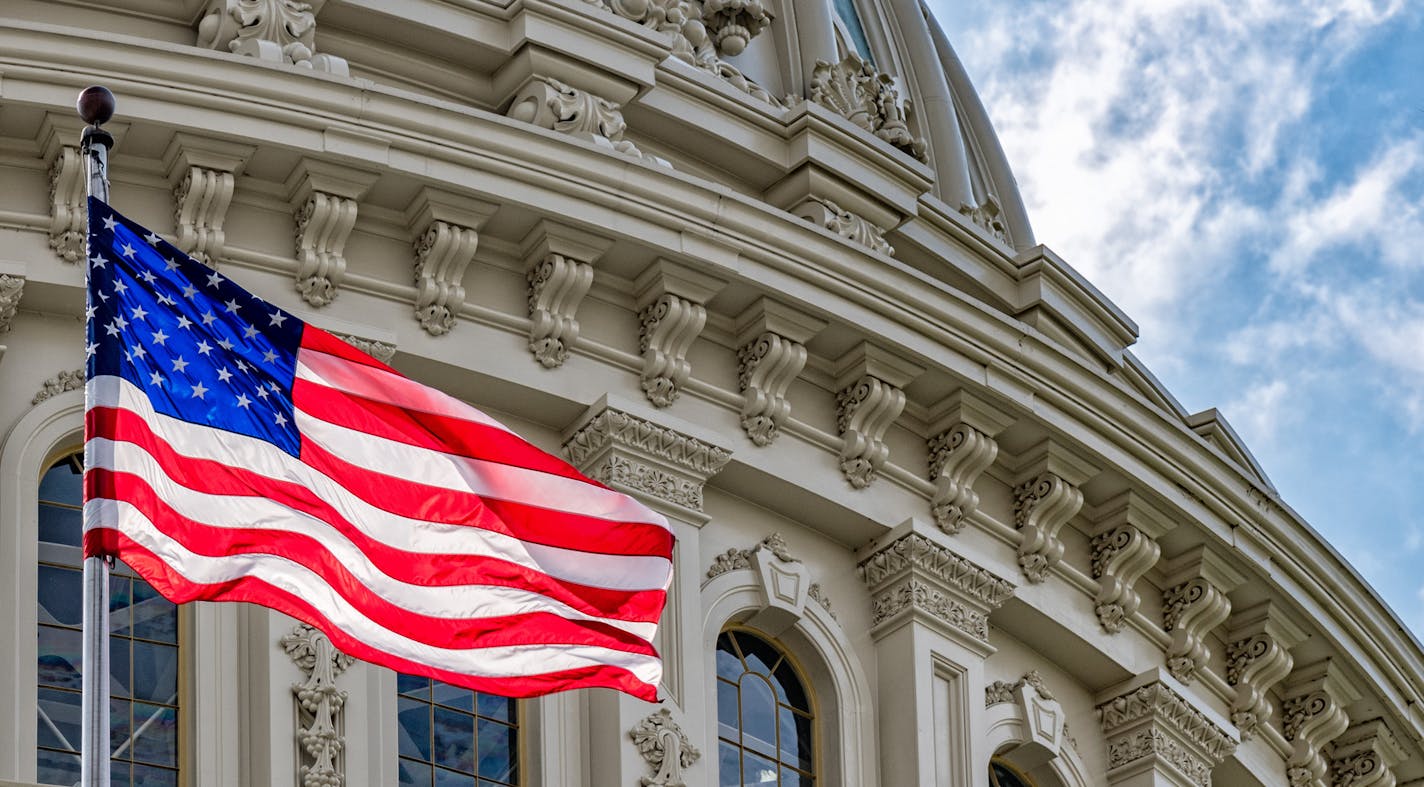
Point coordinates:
[(1246, 179)]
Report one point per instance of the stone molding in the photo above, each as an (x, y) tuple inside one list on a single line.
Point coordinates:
[(1124, 547), (1365, 756), (670, 298), (624, 450), (913, 573), (866, 97), (320, 724), (559, 263), (446, 227), (277, 31), (60, 383), (1313, 714), (12, 288), (203, 173), (1194, 603), (666, 749), (1003, 691), (961, 449), (379, 350), (323, 197), (549, 103), (784, 581), (1155, 728), (869, 383), (1257, 658), (771, 353), (825, 213)]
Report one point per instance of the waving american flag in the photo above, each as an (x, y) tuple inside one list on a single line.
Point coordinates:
[(235, 453)]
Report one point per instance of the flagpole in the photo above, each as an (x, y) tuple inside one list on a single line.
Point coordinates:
[(96, 106)]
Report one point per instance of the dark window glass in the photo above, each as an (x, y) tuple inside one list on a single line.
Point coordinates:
[(845, 9), (764, 719), (1001, 774), (143, 652), (454, 737)]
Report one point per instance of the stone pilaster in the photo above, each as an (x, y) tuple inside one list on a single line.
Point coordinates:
[(771, 352), (670, 297), (323, 197), (203, 173), (446, 228), (1313, 706), (1258, 657), (930, 623), (1046, 496), (559, 260), (1193, 604), (1157, 736), (962, 447), (870, 395), (1124, 548)]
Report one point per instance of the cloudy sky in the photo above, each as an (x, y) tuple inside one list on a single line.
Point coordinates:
[(1246, 179)]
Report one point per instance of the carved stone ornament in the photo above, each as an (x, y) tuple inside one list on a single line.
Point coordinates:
[(320, 725), (734, 558), (957, 458), (766, 366), (1120, 557), (278, 31), (864, 411), (381, 351), (1189, 611), (442, 254), (818, 594), (1041, 507), (667, 327), (988, 215), (11, 289), (867, 98), (557, 284), (665, 748), (201, 201), (58, 384), (915, 574), (734, 23), (324, 222), (1257, 658), (617, 448), (1003, 691), (825, 213), (1155, 723), (548, 103), (1365, 756), (1313, 715), (67, 213)]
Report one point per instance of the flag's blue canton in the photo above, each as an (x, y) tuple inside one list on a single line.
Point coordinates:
[(202, 348)]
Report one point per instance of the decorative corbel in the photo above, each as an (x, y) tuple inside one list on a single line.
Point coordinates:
[(446, 227), (771, 352), (67, 192), (203, 173), (323, 196), (670, 297), (666, 749), (1312, 715), (1193, 604), (1257, 658), (320, 727), (869, 397), (1045, 498), (852, 227), (277, 31), (549, 103), (11, 290), (962, 447), (734, 23), (1365, 756), (1124, 548), (559, 260)]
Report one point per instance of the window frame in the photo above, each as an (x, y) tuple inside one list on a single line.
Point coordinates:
[(807, 686), (522, 725)]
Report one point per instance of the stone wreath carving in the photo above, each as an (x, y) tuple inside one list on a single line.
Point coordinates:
[(58, 384), (320, 724), (666, 749)]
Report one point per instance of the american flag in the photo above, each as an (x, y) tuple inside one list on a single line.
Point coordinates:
[(234, 453)]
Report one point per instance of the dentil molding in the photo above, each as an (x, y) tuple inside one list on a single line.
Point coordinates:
[(1154, 728), (771, 352), (277, 31), (666, 749), (320, 702)]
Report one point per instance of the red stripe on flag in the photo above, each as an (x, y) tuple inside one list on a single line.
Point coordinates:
[(321, 341)]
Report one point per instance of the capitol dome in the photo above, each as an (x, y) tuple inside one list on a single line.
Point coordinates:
[(763, 265)]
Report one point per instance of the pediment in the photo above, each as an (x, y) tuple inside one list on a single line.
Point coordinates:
[(1214, 428)]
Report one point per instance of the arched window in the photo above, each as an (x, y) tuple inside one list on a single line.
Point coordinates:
[(765, 722), (849, 26), (143, 652), (454, 737), (1001, 774)]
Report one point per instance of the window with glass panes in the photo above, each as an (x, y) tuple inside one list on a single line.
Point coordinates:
[(454, 737), (143, 653), (1001, 774), (764, 717)]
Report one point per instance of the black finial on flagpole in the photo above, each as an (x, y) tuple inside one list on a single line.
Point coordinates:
[(95, 105)]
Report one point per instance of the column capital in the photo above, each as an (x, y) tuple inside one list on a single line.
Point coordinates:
[(1154, 730)]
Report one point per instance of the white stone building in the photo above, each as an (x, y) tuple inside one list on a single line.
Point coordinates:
[(761, 263)]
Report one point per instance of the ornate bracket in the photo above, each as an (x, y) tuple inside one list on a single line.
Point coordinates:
[(913, 577), (560, 270), (771, 353), (867, 98), (324, 197), (1365, 756), (1194, 603), (446, 227), (1312, 715), (961, 449), (1124, 548), (67, 192), (1257, 658), (203, 173), (548, 103), (1044, 500), (320, 724), (278, 31), (870, 396), (825, 213), (665, 748), (670, 299), (11, 289), (1154, 727)]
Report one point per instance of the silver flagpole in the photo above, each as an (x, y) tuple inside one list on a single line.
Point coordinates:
[(96, 106)]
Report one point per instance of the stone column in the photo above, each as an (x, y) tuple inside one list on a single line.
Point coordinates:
[(930, 623), (1158, 735), (665, 469)]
